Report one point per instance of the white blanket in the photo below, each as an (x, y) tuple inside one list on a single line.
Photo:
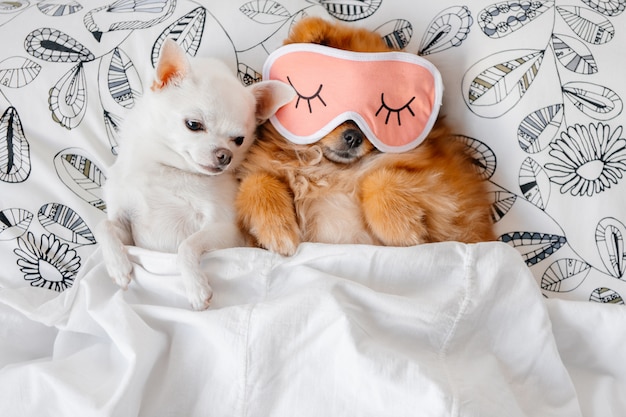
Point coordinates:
[(435, 330)]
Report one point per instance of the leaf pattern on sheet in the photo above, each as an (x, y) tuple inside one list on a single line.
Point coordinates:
[(594, 100), (502, 19), (610, 234), (14, 222), (587, 24), (296, 18), (247, 75), (483, 157), (538, 129), (65, 224), (606, 295), (14, 148), (577, 41), (13, 6), (81, 176), (16, 72), (186, 31), (502, 203), (123, 80), (534, 247), (127, 15), (447, 30), (47, 263), (573, 54), (68, 98), (534, 183), (565, 275), (349, 10), (56, 9), (587, 160), (266, 11), (607, 7), (112, 126), (55, 46), (396, 33), (497, 88)]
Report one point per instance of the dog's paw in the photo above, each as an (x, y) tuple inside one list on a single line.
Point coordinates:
[(266, 211), (199, 296), (197, 288), (282, 243), (120, 272), (393, 207)]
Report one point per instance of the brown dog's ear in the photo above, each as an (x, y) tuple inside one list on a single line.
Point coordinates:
[(270, 96), (172, 65)]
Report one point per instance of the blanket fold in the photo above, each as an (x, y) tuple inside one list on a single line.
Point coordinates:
[(431, 330)]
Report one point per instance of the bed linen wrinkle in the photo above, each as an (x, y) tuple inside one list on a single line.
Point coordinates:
[(339, 330), (463, 331), (506, 347), (466, 278), (596, 363)]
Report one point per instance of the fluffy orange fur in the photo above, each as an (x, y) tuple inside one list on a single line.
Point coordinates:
[(342, 190)]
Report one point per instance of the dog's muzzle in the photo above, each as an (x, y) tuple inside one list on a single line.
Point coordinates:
[(223, 157)]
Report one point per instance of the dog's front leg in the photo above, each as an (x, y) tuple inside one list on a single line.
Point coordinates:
[(113, 236), (190, 251), (266, 210)]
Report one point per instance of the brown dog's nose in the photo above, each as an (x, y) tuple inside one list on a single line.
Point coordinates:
[(223, 156), (353, 138)]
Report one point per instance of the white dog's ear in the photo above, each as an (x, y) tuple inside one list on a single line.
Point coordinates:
[(270, 96), (172, 65)]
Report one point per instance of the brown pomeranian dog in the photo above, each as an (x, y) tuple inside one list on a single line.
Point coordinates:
[(343, 190)]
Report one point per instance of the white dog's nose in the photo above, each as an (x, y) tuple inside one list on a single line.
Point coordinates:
[(223, 156)]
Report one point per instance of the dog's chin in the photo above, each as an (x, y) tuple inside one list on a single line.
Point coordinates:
[(211, 170), (206, 169), (341, 156)]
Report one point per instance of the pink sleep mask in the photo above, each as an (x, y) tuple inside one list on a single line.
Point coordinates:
[(394, 97)]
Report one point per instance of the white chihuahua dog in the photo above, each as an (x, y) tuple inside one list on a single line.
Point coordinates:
[(172, 187)]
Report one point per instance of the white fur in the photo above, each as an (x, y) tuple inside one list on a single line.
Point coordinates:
[(167, 190)]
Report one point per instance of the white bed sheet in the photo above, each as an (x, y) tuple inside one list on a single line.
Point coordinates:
[(435, 330)]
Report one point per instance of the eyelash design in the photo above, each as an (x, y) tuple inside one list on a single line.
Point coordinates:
[(308, 98), (391, 110)]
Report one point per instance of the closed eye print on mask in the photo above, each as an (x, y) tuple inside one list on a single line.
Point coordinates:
[(308, 99), (394, 97), (383, 106), (390, 110)]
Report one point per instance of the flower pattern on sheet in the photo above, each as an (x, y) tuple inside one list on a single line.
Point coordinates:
[(47, 263), (88, 56), (577, 159), (590, 160)]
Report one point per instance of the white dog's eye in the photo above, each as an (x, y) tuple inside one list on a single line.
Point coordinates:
[(194, 125), (238, 140)]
